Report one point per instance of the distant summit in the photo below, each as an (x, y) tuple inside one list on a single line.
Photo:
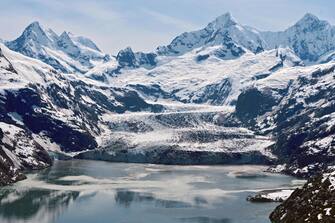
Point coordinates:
[(66, 52), (224, 28), (310, 38)]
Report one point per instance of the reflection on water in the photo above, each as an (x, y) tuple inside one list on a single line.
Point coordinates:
[(91, 191), (126, 198), (205, 220), (40, 205)]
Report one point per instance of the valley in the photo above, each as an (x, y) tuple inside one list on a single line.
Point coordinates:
[(226, 94)]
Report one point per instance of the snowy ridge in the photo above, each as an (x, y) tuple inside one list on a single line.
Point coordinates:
[(222, 30), (310, 38), (66, 53), (188, 80)]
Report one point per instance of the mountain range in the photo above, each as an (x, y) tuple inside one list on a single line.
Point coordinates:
[(311, 39), (66, 52), (224, 94)]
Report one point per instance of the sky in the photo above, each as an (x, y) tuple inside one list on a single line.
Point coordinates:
[(146, 24)]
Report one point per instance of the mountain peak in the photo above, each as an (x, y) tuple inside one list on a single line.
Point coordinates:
[(35, 33), (34, 27), (309, 19), (65, 36), (67, 45), (127, 49), (126, 57), (310, 16), (224, 20), (84, 41), (222, 30)]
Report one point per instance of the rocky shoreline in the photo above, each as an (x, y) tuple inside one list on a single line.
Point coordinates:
[(314, 202)]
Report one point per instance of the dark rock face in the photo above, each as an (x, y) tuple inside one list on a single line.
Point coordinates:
[(228, 50), (127, 58), (301, 124), (25, 101), (253, 103), (301, 120), (258, 198), (215, 94), (8, 174), (315, 202), (153, 91), (172, 155), (19, 152), (133, 102), (200, 58), (147, 59)]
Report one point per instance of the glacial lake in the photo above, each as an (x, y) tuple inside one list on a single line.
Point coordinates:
[(101, 192)]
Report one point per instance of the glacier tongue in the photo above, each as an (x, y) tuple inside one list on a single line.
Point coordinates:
[(190, 136)]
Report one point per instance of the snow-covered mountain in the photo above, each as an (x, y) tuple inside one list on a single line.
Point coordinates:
[(226, 93), (45, 110), (211, 80), (310, 38), (223, 30), (126, 59), (221, 65), (66, 52)]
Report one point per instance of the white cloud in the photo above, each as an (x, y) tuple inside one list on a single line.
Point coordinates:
[(169, 20)]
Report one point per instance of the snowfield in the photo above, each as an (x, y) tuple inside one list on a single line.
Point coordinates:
[(188, 80)]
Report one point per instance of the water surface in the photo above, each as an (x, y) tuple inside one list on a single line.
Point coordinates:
[(93, 191)]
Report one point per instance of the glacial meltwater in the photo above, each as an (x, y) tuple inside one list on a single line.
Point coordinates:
[(94, 191)]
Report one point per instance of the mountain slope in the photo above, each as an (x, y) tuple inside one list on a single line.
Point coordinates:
[(44, 110), (301, 118), (66, 53), (214, 79), (315, 202)]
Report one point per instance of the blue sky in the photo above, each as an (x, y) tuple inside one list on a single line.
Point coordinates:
[(145, 24)]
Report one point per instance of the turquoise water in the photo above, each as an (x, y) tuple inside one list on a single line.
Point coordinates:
[(101, 192)]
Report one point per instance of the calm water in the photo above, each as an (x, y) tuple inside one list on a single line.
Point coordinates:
[(93, 191)]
